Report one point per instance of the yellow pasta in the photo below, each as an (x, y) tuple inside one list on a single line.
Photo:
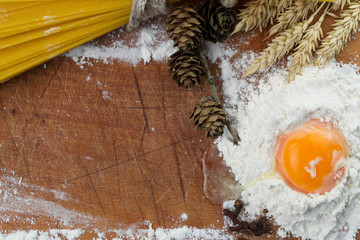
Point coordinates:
[(32, 32)]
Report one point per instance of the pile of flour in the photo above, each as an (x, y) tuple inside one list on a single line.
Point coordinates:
[(331, 93)]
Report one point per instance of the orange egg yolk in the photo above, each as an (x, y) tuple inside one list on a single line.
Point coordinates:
[(312, 158)]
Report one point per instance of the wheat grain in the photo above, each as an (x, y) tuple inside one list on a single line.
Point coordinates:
[(253, 15), (292, 15), (305, 50), (336, 39), (281, 6), (259, 13), (279, 46)]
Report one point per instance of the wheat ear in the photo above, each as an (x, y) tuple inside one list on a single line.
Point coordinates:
[(339, 4), (292, 15), (305, 50), (259, 13), (253, 15), (279, 46), (336, 39), (282, 5)]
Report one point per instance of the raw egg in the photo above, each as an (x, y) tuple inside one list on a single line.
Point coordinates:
[(312, 158)]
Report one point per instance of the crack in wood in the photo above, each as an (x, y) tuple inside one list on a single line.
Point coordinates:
[(118, 173), (52, 77), (141, 100), (97, 195), (146, 126), (128, 160), (26, 164), (179, 174), (155, 203), (163, 100), (169, 189), (160, 163)]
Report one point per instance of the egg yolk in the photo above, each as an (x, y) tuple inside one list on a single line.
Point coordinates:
[(312, 158)]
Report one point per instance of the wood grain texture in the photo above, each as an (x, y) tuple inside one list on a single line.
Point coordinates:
[(131, 157)]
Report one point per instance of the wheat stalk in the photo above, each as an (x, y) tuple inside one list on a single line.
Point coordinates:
[(336, 39), (259, 13), (280, 46), (305, 50), (292, 15)]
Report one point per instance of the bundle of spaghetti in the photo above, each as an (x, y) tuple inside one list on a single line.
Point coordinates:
[(32, 32)]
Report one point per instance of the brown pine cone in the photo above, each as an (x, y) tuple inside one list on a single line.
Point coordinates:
[(219, 21), (186, 68), (185, 27), (210, 116)]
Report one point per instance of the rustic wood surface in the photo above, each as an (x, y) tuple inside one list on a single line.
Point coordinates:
[(133, 157)]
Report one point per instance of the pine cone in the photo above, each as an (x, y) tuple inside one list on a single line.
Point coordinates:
[(219, 21), (210, 116), (186, 68), (185, 27)]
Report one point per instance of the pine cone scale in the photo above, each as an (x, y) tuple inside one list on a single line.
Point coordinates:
[(185, 28), (219, 21), (186, 68), (210, 116)]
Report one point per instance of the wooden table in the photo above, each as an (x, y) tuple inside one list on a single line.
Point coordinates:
[(113, 161)]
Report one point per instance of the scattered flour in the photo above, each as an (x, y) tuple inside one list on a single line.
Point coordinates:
[(18, 198), (180, 233), (88, 78), (52, 234), (15, 200), (331, 92), (231, 66), (184, 217), (151, 43), (106, 95)]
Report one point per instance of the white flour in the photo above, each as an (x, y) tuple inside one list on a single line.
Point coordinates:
[(332, 92), (52, 234), (18, 198), (150, 42), (149, 233), (180, 233)]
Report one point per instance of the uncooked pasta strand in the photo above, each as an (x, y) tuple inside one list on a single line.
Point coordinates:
[(32, 32)]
